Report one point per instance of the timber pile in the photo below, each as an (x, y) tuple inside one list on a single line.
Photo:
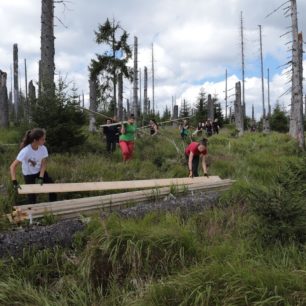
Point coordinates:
[(99, 186), (89, 205)]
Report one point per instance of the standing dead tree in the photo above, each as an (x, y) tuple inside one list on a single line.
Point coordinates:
[(16, 86), (47, 66), (265, 122), (210, 106), (153, 82), (135, 79), (239, 115), (242, 62), (145, 91), (296, 129), (120, 97), (4, 106), (92, 103)]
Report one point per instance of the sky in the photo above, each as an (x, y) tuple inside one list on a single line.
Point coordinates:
[(194, 43)]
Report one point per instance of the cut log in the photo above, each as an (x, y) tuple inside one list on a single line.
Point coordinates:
[(116, 185)]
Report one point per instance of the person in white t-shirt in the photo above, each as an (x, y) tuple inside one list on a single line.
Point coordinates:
[(33, 158)]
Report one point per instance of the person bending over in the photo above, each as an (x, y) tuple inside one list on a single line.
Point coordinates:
[(193, 153), (33, 159)]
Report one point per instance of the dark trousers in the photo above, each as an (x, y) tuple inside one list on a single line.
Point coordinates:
[(195, 164), (30, 179), (111, 144)]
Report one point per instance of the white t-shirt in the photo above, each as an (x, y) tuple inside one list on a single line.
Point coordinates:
[(31, 159)]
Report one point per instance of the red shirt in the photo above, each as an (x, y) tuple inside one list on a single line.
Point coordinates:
[(193, 147)]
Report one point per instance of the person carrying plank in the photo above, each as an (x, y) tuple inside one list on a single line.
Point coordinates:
[(153, 126), (111, 134), (33, 159), (127, 138), (193, 153)]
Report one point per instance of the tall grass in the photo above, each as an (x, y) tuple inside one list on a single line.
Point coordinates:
[(217, 257)]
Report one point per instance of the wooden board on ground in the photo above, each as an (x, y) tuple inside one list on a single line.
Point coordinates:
[(89, 205), (115, 185)]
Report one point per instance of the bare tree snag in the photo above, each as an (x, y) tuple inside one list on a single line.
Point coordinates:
[(120, 97), (31, 99), (47, 66), (210, 105), (16, 86), (239, 118), (4, 106), (92, 104), (135, 79), (145, 91), (296, 129)]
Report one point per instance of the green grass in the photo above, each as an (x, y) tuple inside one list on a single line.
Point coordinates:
[(247, 250)]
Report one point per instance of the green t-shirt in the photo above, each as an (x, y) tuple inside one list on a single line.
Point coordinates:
[(130, 130)]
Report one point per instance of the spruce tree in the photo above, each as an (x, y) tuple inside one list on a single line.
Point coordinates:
[(107, 67)]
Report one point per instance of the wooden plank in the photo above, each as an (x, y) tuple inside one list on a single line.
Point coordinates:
[(116, 196), (109, 201), (115, 185)]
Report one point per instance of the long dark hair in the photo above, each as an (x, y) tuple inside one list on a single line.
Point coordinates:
[(31, 135)]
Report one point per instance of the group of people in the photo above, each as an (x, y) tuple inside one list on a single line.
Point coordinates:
[(209, 127), (124, 134), (33, 154)]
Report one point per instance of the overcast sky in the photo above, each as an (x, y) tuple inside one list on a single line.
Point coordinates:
[(194, 42)]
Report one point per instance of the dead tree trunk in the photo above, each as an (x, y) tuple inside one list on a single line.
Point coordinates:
[(16, 86), (145, 91), (128, 110), (242, 61), (31, 99), (26, 100), (47, 66), (120, 97), (153, 82), (92, 104), (296, 129), (135, 79), (175, 112), (239, 110), (4, 106), (210, 105)]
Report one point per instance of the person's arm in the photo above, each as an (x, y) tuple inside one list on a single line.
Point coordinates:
[(204, 165), (13, 168), (43, 167), (122, 130), (155, 130), (190, 164)]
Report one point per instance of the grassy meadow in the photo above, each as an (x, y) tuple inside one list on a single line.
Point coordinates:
[(250, 249)]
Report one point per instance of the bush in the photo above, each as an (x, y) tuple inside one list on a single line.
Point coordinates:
[(281, 207), (62, 120)]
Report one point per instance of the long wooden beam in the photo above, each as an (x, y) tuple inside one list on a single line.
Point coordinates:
[(75, 207), (115, 185)]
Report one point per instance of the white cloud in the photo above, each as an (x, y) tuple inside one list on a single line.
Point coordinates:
[(194, 42)]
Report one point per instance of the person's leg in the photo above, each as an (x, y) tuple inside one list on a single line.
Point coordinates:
[(130, 145), (49, 180), (108, 145), (124, 150), (113, 145), (195, 165), (30, 179)]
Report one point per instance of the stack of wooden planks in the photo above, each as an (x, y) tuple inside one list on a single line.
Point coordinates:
[(157, 188)]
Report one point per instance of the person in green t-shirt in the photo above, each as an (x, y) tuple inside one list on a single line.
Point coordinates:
[(126, 139)]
